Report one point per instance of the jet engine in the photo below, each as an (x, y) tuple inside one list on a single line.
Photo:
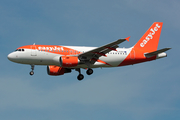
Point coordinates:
[(56, 70), (69, 61)]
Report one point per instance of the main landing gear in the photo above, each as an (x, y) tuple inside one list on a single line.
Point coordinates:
[(32, 68), (89, 71), (81, 76)]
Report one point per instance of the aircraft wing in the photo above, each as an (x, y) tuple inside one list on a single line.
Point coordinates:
[(101, 51)]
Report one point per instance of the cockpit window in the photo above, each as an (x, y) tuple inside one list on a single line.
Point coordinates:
[(20, 50)]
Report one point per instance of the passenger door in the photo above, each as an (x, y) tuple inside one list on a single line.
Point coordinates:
[(33, 50)]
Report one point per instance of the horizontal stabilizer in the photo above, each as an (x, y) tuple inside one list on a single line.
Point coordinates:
[(151, 54)]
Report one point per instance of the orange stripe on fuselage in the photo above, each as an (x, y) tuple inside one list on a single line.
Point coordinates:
[(57, 50), (136, 56), (52, 49), (101, 61)]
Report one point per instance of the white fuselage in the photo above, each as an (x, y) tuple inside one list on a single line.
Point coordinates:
[(40, 57)]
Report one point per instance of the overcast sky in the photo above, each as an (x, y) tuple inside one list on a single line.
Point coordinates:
[(146, 91)]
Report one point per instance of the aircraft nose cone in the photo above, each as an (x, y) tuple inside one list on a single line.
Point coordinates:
[(11, 56)]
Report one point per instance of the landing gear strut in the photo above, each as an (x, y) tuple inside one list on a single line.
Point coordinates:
[(32, 68), (80, 76)]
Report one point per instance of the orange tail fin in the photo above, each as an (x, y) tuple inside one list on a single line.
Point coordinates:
[(149, 41)]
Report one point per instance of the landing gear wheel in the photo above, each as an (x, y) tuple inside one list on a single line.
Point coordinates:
[(80, 77), (31, 73), (89, 71)]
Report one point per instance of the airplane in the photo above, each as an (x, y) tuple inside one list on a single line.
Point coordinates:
[(63, 59)]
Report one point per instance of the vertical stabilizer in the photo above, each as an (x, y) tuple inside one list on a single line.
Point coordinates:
[(149, 41)]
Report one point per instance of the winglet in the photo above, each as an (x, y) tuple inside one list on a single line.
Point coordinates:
[(127, 38)]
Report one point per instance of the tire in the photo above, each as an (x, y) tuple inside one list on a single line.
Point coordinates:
[(80, 77), (89, 71), (31, 73)]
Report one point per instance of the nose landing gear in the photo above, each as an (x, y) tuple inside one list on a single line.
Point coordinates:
[(31, 73), (32, 68)]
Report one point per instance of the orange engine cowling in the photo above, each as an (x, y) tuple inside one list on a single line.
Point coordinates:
[(69, 61), (56, 70)]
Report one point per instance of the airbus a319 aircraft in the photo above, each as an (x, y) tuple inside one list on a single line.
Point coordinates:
[(63, 59)]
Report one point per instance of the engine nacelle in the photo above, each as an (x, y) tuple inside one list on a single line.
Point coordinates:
[(68, 61), (56, 70)]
